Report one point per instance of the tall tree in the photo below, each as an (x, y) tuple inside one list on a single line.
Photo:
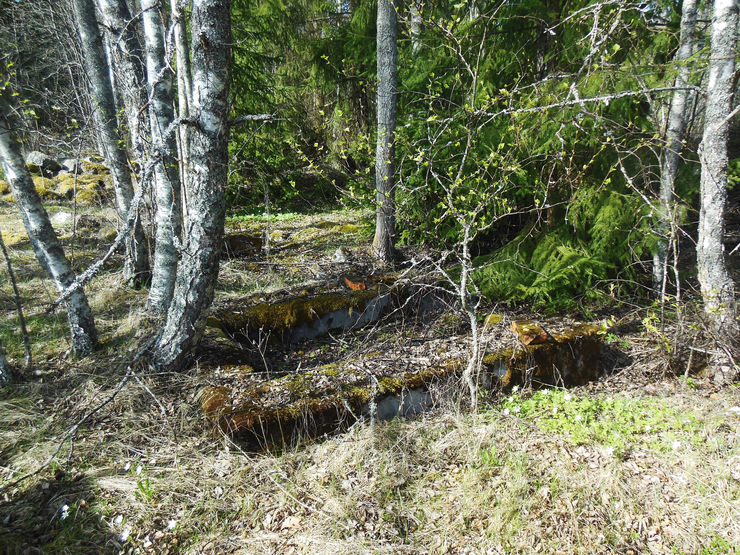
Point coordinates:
[(184, 86), (717, 287), (136, 266), (43, 237), (167, 171), (385, 166), (128, 65), (204, 224), (675, 136)]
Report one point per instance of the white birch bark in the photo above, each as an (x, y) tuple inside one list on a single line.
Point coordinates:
[(42, 234), (416, 26), (675, 136), (184, 86), (136, 266), (128, 66), (167, 171), (4, 372), (385, 168), (203, 229), (717, 287)]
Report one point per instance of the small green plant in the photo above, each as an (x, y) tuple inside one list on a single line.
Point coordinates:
[(614, 338), (145, 489), (489, 458), (614, 422)]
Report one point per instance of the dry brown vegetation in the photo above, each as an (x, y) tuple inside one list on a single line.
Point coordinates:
[(637, 462)]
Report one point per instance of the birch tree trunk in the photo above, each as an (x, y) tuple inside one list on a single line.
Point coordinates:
[(717, 287), (385, 167), (416, 26), (128, 65), (166, 170), (675, 136), (4, 372), (184, 87), (136, 266), (42, 234), (204, 226)]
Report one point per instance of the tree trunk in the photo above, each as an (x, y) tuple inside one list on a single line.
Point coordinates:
[(717, 287), (203, 230), (128, 59), (675, 136), (136, 266), (4, 372), (385, 167), (416, 26), (184, 87), (39, 230), (167, 171)]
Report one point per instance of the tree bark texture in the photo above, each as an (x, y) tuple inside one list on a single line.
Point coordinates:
[(136, 266), (166, 170), (4, 372), (42, 234), (675, 136), (717, 287), (385, 168), (203, 228), (184, 85), (128, 65)]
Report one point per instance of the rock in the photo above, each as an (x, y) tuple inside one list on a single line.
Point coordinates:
[(529, 332), (61, 219), (42, 163), (341, 255), (71, 165), (240, 244)]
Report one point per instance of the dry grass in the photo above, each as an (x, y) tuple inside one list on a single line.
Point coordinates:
[(498, 481)]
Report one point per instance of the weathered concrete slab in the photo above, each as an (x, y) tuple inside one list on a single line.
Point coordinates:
[(327, 398)]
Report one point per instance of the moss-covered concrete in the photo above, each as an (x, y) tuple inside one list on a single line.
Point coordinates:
[(266, 413), (282, 320), (571, 358)]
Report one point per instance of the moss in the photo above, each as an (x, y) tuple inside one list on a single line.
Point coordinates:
[(8, 198), (88, 197), (345, 229), (491, 320), (44, 188), (4, 187), (33, 169), (94, 168)]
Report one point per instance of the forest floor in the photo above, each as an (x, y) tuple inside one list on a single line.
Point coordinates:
[(642, 460)]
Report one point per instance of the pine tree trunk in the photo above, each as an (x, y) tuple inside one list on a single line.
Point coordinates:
[(167, 171), (385, 168), (675, 136), (42, 234), (136, 266), (717, 287), (128, 65), (203, 230)]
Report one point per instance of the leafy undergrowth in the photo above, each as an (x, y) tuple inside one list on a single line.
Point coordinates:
[(633, 463)]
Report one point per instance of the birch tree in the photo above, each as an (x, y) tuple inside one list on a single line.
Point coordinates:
[(203, 227), (167, 176), (674, 139), (717, 287), (136, 266), (385, 168), (42, 235), (128, 65)]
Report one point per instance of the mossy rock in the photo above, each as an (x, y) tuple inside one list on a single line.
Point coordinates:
[(45, 188), (33, 169), (4, 187), (95, 168), (88, 196), (10, 197), (345, 229)]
